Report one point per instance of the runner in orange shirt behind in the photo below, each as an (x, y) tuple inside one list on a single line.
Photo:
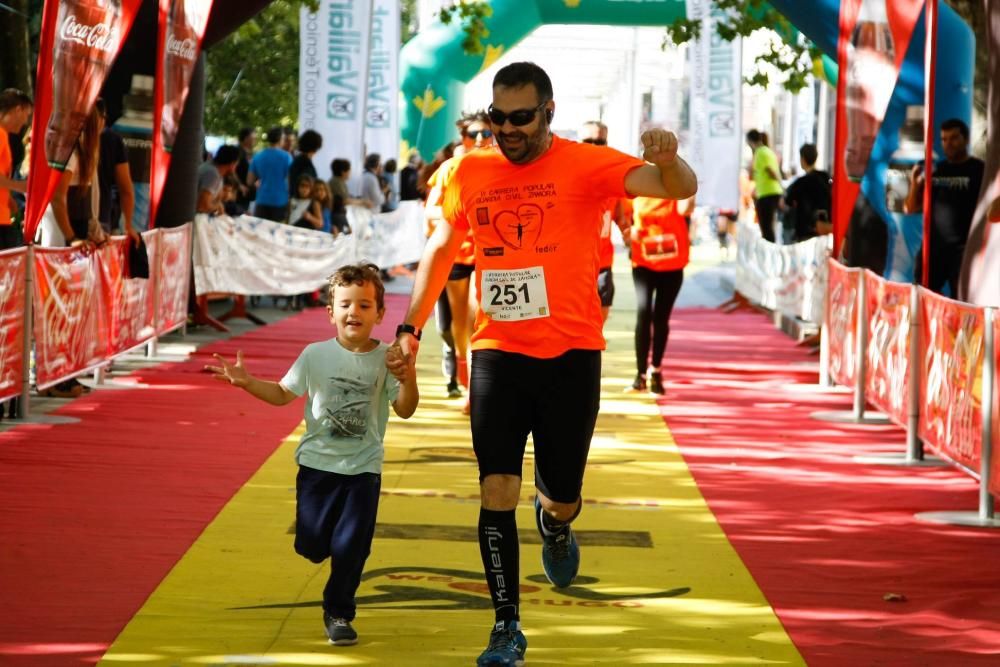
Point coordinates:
[(536, 360), (660, 249)]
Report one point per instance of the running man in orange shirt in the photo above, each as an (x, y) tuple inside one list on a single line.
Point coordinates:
[(536, 360)]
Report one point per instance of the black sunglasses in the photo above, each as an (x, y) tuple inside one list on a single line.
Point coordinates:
[(517, 118), (596, 142), (485, 134)]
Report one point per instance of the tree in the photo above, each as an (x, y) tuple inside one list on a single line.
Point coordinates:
[(20, 21)]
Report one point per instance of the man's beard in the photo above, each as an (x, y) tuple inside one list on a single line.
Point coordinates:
[(528, 148)]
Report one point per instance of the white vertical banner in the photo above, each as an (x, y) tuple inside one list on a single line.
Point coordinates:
[(716, 142), (382, 112), (333, 79)]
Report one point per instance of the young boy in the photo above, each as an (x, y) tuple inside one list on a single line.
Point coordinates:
[(340, 456)]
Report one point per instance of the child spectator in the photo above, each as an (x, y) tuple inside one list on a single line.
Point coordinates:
[(231, 196), (303, 211), (349, 389), (324, 201)]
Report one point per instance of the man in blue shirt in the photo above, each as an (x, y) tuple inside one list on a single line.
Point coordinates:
[(269, 173)]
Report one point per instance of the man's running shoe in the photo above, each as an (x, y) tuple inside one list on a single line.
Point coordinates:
[(560, 552), (339, 631), (453, 390), (506, 648)]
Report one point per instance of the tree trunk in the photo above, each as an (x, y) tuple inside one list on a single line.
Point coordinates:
[(15, 66)]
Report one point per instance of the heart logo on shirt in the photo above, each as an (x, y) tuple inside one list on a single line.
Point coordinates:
[(521, 228)]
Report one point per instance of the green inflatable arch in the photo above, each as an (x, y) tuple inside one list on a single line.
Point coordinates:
[(434, 68)]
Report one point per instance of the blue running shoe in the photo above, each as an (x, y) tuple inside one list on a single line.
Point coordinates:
[(506, 648), (560, 552)]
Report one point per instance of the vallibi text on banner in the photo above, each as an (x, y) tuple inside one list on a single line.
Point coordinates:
[(79, 41), (716, 143), (382, 110), (181, 29), (333, 79)]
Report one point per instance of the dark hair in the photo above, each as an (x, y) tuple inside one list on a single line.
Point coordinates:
[(274, 135), (340, 166), (12, 98), (808, 153), (753, 136), (303, 178), (227, 154), (373, 161), (357, 274), (389, 167), (310, 141), (244, 133), (469, 117), (518, 75), (956, 124)]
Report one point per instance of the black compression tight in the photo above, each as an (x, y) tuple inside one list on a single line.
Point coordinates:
[(655, 294)]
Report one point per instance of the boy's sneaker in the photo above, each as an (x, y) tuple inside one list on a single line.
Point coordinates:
[(506, 648), (560, 552), (656, 383), (339, 631)]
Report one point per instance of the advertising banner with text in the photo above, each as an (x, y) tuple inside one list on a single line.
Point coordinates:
[(842, 322), (12, 266), (382, 110), (887, 373)]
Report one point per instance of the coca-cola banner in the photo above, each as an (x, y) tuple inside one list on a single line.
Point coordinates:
[(951, 373), (128, 316), (874, 37), (382, 110), (995, 460), (181, 29), (171, 271), (12, 266), (67, 315), (333, 79), (79, 41), (887, 373), (842, 322)]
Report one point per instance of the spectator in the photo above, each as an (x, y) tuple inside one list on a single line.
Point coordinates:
[(114, 180), (766, 175), (304, 212), (371, 183), (955, 187), (807, 196), (408, 178), (390, 188), (247, 140), (288, 139), (269, 173), (309, 144), (230, 196), (324, 201), (15, 110), (211, 176)]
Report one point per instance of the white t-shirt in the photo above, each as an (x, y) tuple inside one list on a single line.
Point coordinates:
[(347, 406)]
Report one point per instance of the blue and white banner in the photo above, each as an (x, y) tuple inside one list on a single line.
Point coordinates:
[(249, 255), (716, 142), (333, 79), (382, 111)]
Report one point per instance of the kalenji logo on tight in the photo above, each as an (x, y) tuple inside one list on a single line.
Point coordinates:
[(100, 36), (181, 48)]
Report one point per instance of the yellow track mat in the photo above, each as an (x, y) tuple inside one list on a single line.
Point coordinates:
[(660, 584)]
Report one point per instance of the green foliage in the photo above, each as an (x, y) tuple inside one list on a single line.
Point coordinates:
[(263, 54), (472, 14), (793, 59)]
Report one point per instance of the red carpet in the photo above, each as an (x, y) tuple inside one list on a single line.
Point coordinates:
[(825, 537), (95, 514)]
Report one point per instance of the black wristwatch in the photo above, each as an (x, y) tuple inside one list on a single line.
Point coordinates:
[(408, 328)]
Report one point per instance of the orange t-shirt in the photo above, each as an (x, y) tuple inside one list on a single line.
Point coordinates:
[(661, 240), (6, 164), (606, 250), (537, 238), (437, 183)]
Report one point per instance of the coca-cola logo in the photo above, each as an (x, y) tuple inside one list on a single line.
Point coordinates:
[(99, 36), (182, 48)]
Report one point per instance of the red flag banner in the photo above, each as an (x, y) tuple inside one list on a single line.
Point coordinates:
[(874, 36), (887, 374), (12, 264), (842, 322), (995, 460), (79, 41), (951, 375), (68, 308), (181, 30)]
